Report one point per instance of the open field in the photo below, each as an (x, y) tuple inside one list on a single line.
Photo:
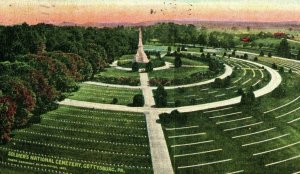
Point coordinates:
[(100, 94)]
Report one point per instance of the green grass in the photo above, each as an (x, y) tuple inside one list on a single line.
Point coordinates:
[(182, 72), (115, 76), (205, 94), (185, 61), (104, 138), (112, 72), (162, 49), (242, 156), (127, 63), (101, 94)]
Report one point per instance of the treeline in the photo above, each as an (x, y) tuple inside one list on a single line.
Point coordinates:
[(24, 39), (40, 65), (170, 33)]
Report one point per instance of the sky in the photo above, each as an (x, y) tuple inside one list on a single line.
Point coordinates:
[(134, 11)]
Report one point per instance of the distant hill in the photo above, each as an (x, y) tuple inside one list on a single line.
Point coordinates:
[(208, 24)]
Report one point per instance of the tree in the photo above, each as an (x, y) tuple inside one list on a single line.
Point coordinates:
[(201, 50), (202, 39), (138, 100), (260, 45), (158, 55), (245, 56), (298, 56), (233, 53), (274, 66), (248, 98), (149, 67), (177, 61), (160, 96), (284, 49), (169, 50), (262, 54), (248, 28), (208, 55), (7, 112), (255, 59), (281, 70), (135, 67), (269, 54)]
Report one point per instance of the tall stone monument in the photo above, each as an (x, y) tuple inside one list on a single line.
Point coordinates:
[(140, 56)]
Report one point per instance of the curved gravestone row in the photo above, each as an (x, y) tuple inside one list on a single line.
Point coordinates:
[(272, 147)]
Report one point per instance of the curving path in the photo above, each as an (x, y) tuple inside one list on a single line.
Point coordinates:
[(166, 66), (228, 72), (274, 83), (159, 152)]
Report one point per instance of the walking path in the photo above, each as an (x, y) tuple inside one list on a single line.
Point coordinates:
[(159, 152), (161, 161), (228, 72), (166, 66), (274, 83)]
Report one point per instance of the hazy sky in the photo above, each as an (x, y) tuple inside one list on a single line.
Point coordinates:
[(92, 11)]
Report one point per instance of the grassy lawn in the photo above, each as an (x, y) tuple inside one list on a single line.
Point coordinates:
[(101, 94), (76, 140), (115, 76), (237, 138), (172, 73), (185, 61), (112, 72), (162, 49), (127, 63), (243, 78)]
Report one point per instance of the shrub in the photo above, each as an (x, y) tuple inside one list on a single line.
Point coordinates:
[(177, 61), (138, 100), (149, 67), (177, 103), (201, 49), (248, 98), (281, 70), (262, 54), (160, 96), (169, 50), (255, 59), (270, 54), (174, 116), (181, 90), (279, 92), (114, 101), (240, 91), (192, 101), (274, 66), (135, 67)]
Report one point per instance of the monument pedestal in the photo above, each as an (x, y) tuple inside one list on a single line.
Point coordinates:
[(140, 56)]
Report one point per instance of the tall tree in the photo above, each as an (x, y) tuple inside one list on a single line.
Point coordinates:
[(284, 49)]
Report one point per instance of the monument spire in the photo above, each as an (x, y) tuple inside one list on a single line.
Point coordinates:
[(141, 56)]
